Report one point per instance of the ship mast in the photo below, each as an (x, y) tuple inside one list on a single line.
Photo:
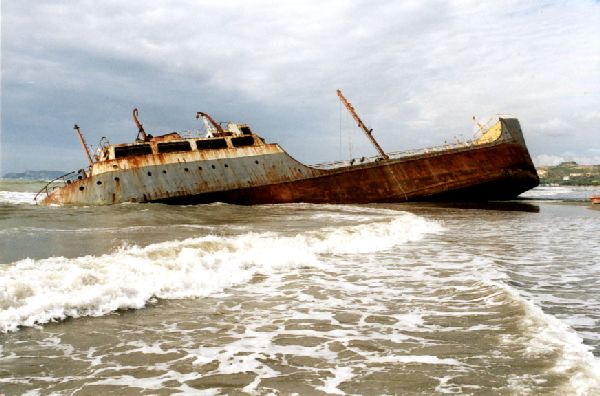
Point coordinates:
[(85, 147), (361, 124)]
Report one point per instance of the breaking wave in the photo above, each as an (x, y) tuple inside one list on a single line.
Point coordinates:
[(543, 333), (576, 361), (17, 197), (39, 291)]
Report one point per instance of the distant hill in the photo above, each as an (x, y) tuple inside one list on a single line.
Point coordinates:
[(34, 175), (570, 174)]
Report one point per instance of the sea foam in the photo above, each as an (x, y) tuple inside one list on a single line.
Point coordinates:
[(16, 197), (549, 333), (39, 291)]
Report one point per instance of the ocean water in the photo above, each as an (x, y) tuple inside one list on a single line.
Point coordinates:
[(411, 299)]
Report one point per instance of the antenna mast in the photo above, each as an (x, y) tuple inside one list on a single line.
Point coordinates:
[(361, 124)]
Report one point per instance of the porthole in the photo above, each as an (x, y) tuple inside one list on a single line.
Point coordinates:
[(226, 166), (149, 173), (256, 162), (186, 169), (213, 166), (199, 168), (98, 182), (117, 179), (81, 188), (164, 171)]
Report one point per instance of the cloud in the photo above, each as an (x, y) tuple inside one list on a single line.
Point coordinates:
[(552, 160), (548, 160), (554, 127), (416, 71)]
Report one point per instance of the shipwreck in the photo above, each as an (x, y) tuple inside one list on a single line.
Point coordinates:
[(234, 165)]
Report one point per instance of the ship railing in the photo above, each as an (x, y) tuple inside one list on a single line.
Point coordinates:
[(60, 181), (456, 146), (483, 128)]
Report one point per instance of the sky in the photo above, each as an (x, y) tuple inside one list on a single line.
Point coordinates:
[(416, 72)]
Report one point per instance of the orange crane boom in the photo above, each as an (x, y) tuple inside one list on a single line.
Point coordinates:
[(362, 124), (141, 133), (218, 127), (85, 147)]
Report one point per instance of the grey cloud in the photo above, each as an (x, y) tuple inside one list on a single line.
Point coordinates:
[(416, 71)]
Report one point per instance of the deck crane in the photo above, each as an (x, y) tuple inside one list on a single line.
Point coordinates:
[(362, 124), (141, 136), (213, 129), (83, 144)]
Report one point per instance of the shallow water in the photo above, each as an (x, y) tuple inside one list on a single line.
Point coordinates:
[(497, 298)]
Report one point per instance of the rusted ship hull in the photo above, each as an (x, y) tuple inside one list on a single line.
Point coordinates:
[(265, 174), (458, 176)]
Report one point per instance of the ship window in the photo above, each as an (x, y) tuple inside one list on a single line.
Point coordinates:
[(213, 166), (199, 168), (149, 173), (208, 144), (246, 130), (256, 162), (164, 171), (81, 188), (186, 169), (98, 182), (135, 149), (242, 141), (174, 146), (226, 166), (117, 179)]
